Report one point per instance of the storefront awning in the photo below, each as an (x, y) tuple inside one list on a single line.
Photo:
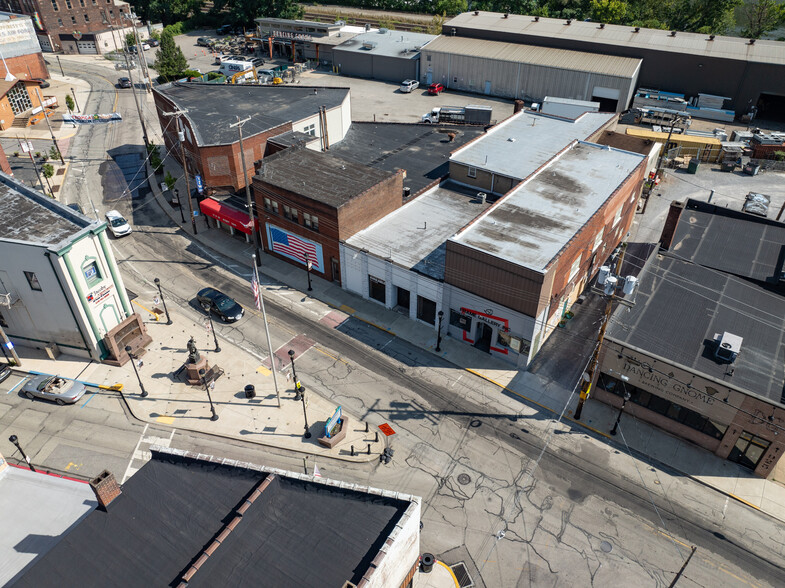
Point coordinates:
[(227, 215)]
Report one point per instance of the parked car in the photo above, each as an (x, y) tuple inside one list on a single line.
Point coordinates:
[(135, 49), (435, 89), (55, 388), (117, 224), (214, 301), (409, 85), (41, 82), (225, 29), (124, 82), (204, 42), (153, 42), (5, 371)]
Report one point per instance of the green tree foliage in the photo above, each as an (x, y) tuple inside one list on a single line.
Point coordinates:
[(48, 170), (170, 63), (450, 7), (130, 40), (242, 12), (69, 102), (166, 11), (761, 16), (609, 11)]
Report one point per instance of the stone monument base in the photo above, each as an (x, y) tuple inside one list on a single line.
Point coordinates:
[(192, 371), (331, 442)]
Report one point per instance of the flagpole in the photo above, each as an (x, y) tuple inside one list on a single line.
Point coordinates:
[(266, 330)]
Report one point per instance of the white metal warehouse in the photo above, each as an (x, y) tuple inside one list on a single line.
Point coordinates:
[(511, 70)]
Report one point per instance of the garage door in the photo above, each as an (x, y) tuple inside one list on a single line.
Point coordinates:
[(86, 47), (607, 97)]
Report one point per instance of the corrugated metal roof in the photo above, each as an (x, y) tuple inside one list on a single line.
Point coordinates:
[(624, 36), (519, 145), (610, 65), (531, 224)]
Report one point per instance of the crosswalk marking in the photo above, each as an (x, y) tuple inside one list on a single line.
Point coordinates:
[(141, 454)]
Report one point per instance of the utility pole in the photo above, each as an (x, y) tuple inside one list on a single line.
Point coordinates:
[(588, 375), (28, 147), (181, 137), (667, 142), (258, 257), (48, 124), (140, 53), (133, 88), (259, 300), (10, 346)]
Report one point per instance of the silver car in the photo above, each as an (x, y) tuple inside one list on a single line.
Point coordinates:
[(61, 390)]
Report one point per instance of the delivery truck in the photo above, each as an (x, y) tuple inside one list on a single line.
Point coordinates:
[(465, 115)]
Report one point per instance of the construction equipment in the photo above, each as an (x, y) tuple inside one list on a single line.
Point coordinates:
[(242, 75)]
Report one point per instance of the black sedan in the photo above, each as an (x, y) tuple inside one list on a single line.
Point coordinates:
[(214, 301), (124, 82)]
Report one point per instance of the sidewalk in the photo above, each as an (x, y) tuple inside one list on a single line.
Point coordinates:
[(174, 403), (549, 398)]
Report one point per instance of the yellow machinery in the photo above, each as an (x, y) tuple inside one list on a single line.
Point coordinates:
[(240, 74)]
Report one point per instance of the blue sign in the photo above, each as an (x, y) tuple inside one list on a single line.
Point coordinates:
[(333, 423), (199, 184)]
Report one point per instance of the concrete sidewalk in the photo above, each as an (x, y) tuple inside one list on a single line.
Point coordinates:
[(637, 438)]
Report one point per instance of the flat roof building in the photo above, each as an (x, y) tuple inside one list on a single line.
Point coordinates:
[(387, 55)]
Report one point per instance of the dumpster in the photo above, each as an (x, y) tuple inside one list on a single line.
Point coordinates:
[(250, 391), (692, 167)]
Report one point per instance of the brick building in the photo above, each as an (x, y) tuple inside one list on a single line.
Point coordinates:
[(72, 26), (19, 97), (19, 46), (310, 202), (212, 147)]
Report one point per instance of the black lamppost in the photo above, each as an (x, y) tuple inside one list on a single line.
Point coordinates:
[(308, 271), (179, 203), (210, 398), (15, 440), (133, 363), (307, 434), (161, 294), (439, 332), (297, 393), (621, 410), (212, 328)]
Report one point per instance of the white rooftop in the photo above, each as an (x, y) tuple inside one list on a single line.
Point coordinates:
[(36, 510), (520, 145), (531, 224), (415, 235)]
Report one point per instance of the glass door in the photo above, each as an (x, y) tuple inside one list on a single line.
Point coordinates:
[(748, 450)]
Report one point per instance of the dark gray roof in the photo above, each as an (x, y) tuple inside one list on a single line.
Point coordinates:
[(295, 533), (680, 306), (292, 139), (28, 216), (213, 107), (319, 176), (730, 241)]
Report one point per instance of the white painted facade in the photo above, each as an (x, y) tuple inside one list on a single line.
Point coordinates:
[(339, 120), (67, 293)]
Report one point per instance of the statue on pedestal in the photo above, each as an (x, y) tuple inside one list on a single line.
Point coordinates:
[(195, 363), (193, 352)]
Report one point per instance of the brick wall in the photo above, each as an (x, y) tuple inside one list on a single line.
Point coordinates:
[(766, 151), (27, 66), (5, 167), (101, 14), (370, 206)]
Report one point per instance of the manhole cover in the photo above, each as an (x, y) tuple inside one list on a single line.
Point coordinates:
[(464, 479), (475, 423), (606, 547)]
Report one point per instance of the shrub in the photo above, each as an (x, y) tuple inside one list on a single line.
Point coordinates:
[(779, 155)]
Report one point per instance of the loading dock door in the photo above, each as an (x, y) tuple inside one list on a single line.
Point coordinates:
[(607, 97), (771, 107)]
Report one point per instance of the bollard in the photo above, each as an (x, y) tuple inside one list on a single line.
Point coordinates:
[(369, 449), (376, 437), (366, 427), (352, 446)]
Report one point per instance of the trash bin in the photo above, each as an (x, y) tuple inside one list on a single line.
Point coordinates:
[(692, 167), (426, 562), (250, 391)]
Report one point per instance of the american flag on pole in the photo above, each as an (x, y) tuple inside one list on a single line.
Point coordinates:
[(289, 244), (257, 298)]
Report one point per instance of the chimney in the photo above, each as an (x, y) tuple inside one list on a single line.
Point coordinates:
[(106, 488)]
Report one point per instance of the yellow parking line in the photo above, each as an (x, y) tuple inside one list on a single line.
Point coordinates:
[(263, 370), (347, 309), (331, 355), (165, 420)]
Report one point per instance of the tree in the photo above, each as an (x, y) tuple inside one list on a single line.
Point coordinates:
[(761, 16), (609, 11), (170, 63), (130, 39), (245, 11), (69, 102), (48, 170), (450, 7)]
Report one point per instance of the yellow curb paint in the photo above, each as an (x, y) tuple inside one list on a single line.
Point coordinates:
[(115, 387), (331, 356), (263, 370), (449, 569), (347, 309), (367, 322), (744, 501), (155, 314), (165, 420), (672, 538)]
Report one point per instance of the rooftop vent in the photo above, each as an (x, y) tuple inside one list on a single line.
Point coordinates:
[(482, 196), (369, 45), (728, 346), (511, 139), (637, 30), (673, 33), (383, 31), (367, 26)]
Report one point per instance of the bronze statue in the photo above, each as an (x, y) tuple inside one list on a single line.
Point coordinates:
[(193, 352)]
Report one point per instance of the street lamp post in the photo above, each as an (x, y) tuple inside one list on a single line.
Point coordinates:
[(161, 294), (308, 271), (439, 332), (212, 328), (621, 410), (210, 398), (179, 204), (297, 392), (307, 433), (15, 440), (75, 102), (133, 363)]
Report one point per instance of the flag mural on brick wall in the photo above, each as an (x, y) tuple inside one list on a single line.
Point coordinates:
[(295, 247)]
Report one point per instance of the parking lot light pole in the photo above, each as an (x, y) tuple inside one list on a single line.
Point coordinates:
[(161, 294), (297, 393), (212, 328), (210, 398), (15, 440), (133, 363), (439, 332)]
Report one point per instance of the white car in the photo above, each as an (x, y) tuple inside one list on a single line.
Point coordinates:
[(409, 85), (117, 224)]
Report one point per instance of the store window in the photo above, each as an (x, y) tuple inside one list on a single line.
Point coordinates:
[(749, 450), (517, 344), (426, 310), (666, 408), (460, 320), (32, 279), (377, 290), (19, 99)]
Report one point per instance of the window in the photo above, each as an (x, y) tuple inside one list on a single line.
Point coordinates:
[(92, 274), (19, 99), (294, 218), (81, 2), (376, 289), (287, 212), (461, 321), (60, 22), (311, 221), (597, 240), (73, 19), (274, 206), (315, 223), (55, 6), (472, 172), (111, 13), (86, 18), (617, 217), (429, 58), (576, 265), (310, 130), (426, 310), (267, 205), (68, 4), (33, 281)]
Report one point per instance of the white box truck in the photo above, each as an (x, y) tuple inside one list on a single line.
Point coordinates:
[(466, 115)]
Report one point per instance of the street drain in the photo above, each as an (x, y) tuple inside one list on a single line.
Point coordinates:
[(475, 423), (464, 479), (606, 546)]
